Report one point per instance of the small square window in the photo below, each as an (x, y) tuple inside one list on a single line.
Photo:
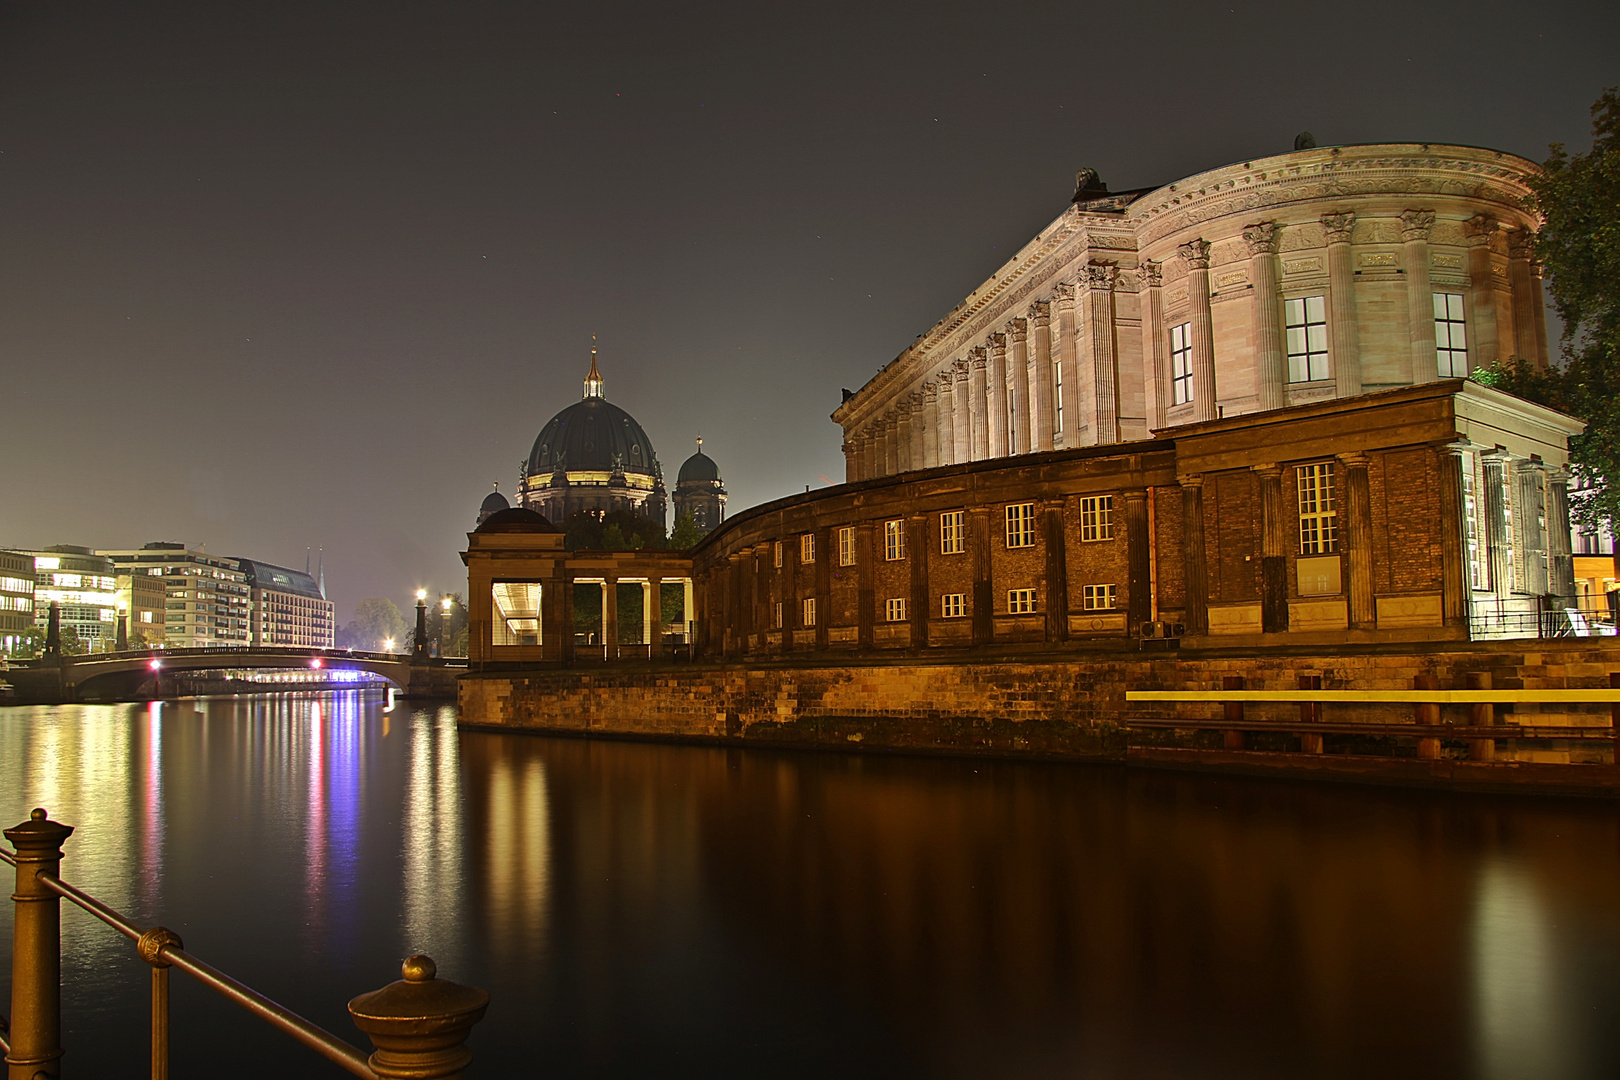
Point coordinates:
[(953, 605), (1097, 518), (896, 609), (1097, 597), (1021, 525), (1020, 601)]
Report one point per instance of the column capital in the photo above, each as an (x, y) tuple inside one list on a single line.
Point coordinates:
[(978, 357), (944, 378), (1521, 244), (1040, 312), (1415, 225), (1453, 449), (1063, 295), (1354, 460), (1337, 226), (1134, 495), (1261, 238), (930, 391), (1268, 471), (915, 399), (1477, 230), (890, 417), (1196, 253), (1017, 329), (1190, 480), (961, 370), (902, 410), (1150, 275), (1100, 275), (998, 342)]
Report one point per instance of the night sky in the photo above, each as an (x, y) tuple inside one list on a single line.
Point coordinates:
[(284, 275)]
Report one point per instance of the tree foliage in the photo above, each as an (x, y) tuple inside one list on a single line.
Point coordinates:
[(376, 619), (686, 533), (1578, 198), (616, 530)]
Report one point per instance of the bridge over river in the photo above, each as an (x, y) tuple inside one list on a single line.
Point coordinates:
[(147, 673)]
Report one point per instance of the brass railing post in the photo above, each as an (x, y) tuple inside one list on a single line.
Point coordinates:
[(150, 945), (419, 1024), (36, 952)]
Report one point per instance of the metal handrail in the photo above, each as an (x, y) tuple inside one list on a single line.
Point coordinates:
[(165, 951)]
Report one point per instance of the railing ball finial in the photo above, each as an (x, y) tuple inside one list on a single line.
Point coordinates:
[(420, 1023)]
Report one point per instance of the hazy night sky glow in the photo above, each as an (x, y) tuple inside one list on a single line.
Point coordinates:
[(287, 275)]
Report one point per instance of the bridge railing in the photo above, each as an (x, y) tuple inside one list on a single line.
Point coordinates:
[(417, 1025)]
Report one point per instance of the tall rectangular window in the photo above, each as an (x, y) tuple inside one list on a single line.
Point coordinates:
[(953, 605), (776, 620), (1476, 564), (1097, 517), (516, 611), (1057, 395), (778, 555), (1021, 525), (1450, 336), (1012, 418), (1181, 380), (894, 539), (1097, 597), (896, 609), (809, 611), (1305, 321), (807, 547), (953, 532), (1020, 601), (1318, 518), (846, 546)]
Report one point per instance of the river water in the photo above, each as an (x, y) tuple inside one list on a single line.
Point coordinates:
[(639, 910)]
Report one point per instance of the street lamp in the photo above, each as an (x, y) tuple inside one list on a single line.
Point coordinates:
[(444, 633), (419, 651), (388, 645)]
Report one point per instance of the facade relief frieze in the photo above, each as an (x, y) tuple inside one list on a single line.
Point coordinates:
[(1303, 237)]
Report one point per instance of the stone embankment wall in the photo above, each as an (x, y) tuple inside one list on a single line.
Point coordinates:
[(1072, 707)]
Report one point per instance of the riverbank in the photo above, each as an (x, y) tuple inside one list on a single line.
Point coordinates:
[(1074, 708)]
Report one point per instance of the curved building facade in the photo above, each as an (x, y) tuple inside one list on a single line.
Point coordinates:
[(1309, 276), (593, 456)]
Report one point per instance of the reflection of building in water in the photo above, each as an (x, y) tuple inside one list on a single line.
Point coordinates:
[(434, 884)]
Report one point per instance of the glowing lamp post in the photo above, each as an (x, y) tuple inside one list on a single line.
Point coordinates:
[(388, 645), (419, 649), (444, 634)]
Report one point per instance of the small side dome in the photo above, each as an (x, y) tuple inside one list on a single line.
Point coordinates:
[(699, 468), (494, 503), (516, 519)]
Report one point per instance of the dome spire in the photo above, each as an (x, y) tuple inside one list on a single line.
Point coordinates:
[(593, 380)]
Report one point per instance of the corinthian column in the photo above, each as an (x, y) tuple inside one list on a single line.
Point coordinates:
[(1196, 253), (1477, 232), (1040, 374), (902, 430), (1099, 279), (996, 399), (978, 360), (1343, 331), (1560, 560), (917, 427), (962, 410), (1065, 376), (1019, 423), (930, 425), (1271, 363), (1415, 226), (1357, 542), (891, 449), (945, 433), (1521, 250), (1150, 288)]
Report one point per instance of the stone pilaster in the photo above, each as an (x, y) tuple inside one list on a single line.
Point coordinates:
[(1138, 571), (1530, 524), (902, 436), (1196, 254), (962, 410), (1066, 375), (978, 361), (1415, 226), (918, 606), (1498, 544), (945, 432), (1270, 359), (1150, 292), (996, 398), (979, 541), (1455, 589), (1482, 347), (866, 588), (1344, 332), (1356, 542), (1099, 280), (1275, 541), (1521, 276), (919, 430), (1560, 557), (1040, 373), (852, 466), (891, 447), (1020, 424), (1192, 552), (1056, 600)]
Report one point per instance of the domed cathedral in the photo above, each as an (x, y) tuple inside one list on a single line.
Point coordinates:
[(700, 491), (593, 456)]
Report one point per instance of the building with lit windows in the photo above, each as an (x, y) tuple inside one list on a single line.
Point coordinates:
[(142, 604), (82, 583), (287, 606), (16, 598), (206, 598)]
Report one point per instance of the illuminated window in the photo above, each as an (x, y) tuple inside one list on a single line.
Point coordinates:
[(779, 554), (953, 532), (1020, 601), (1021, 525), (807, 547), (516, 613), (777, 619), (1476, 563), (1450, 336), (953, 605), (1097, 597), (1181, 380), (896, 609), (809, 611), (1097, 517), (846, 546), (894, 540), (1318, 518)]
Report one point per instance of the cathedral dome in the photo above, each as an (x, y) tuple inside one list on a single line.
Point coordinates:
[(592, 435), (494, 503), (699, 469), (516, 519)]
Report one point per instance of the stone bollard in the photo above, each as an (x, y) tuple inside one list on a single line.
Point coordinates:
[(36, 952), (1428, 714), (1481, 714), (419, 1024), (1614, 711), (1233, 712)]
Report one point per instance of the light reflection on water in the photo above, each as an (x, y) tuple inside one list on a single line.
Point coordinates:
[(639, 909)]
